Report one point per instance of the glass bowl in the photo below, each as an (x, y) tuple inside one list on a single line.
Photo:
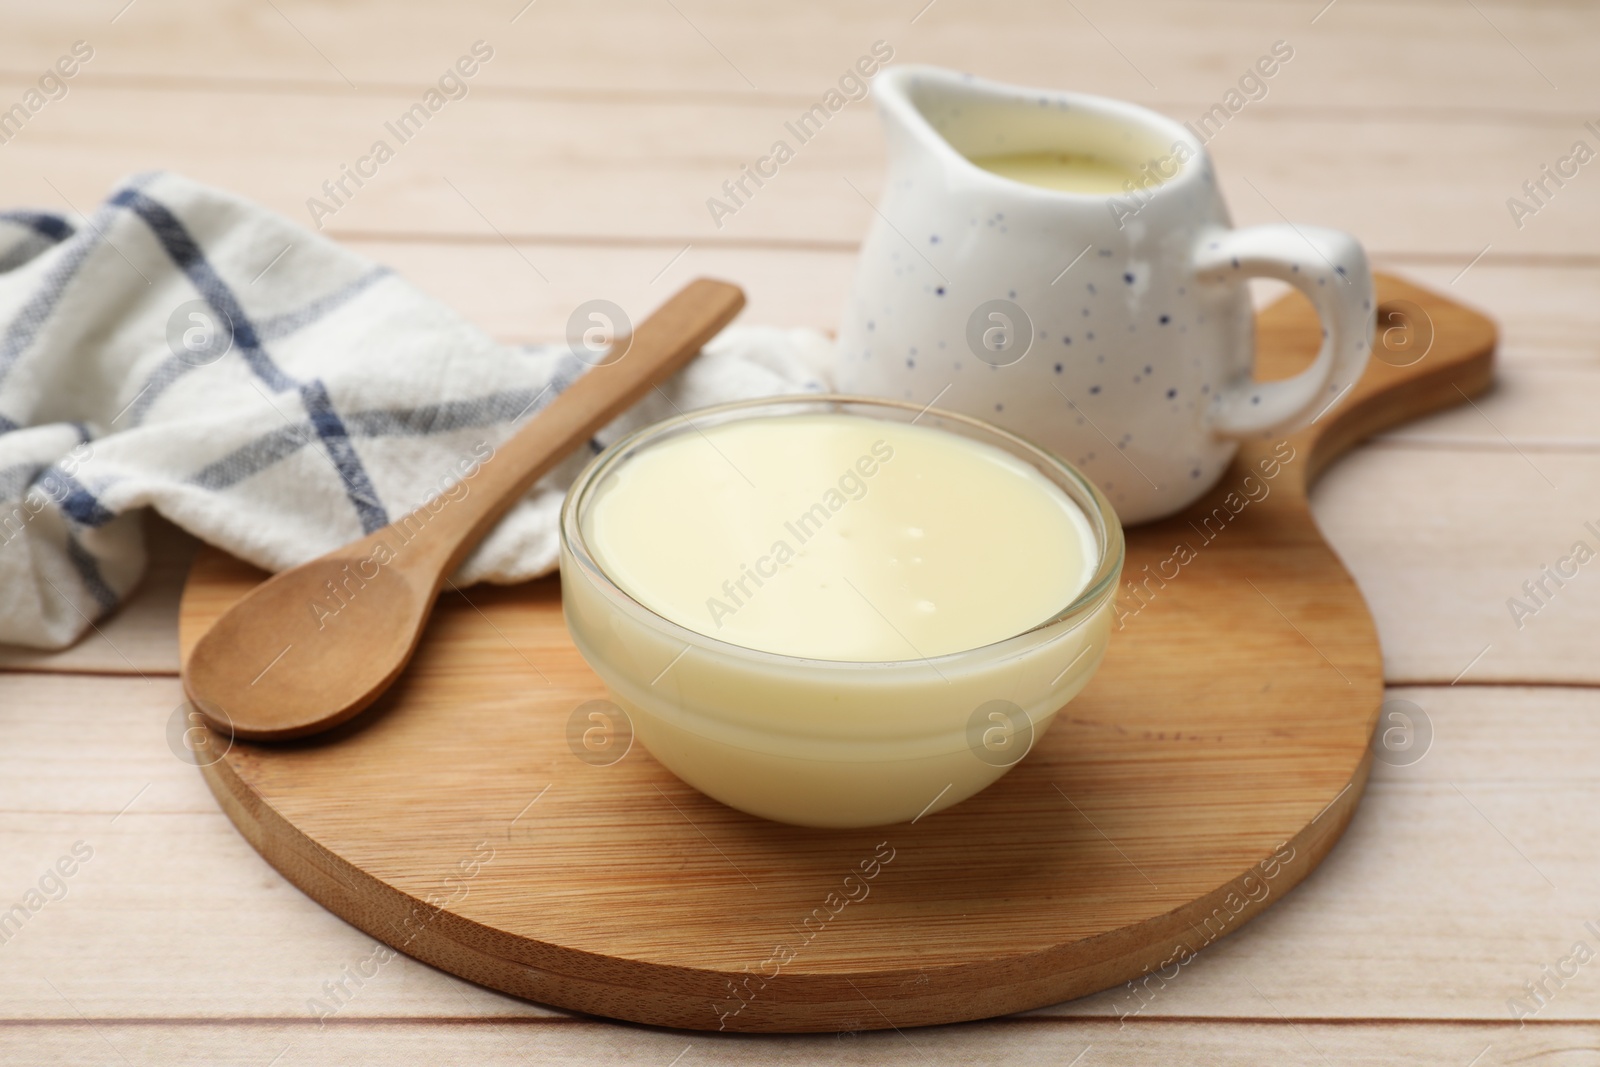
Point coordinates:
[(834, 743)]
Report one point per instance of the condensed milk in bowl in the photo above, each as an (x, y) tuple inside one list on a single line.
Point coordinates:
[(837, 611)]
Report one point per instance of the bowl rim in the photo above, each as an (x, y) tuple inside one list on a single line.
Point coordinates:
[(1102, 518)]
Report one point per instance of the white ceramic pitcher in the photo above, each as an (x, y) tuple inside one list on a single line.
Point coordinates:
[(1115, 331)]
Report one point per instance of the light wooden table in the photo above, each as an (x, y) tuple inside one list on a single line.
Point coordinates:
[(584, 153)]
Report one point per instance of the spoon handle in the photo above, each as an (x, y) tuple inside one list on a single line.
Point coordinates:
[(439, 536)]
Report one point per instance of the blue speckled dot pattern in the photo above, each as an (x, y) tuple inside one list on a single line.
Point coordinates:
[(1168, 354)]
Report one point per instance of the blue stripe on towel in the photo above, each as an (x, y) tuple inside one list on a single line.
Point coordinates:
[(251, 459), (186, 253), (88, 569), (499, 407), (169, 370), (79, 505), (27, 321), (357, 486), (291, 321), (45, 225), (32, 316), (41, 233)]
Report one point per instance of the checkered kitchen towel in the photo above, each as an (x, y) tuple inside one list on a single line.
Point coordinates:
[(342, 401)]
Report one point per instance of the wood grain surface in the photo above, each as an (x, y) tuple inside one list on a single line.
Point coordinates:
[(1212, 763), (178, 944)]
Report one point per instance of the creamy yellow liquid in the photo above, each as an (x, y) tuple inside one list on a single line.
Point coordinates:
[(1064, 173), (832, 536)]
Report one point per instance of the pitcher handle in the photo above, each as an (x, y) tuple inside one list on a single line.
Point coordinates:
[(1330, 268)]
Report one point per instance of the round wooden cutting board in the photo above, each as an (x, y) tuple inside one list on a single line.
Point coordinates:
[(476, 819)]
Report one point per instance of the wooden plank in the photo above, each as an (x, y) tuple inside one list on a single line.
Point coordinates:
[(1423, 911), (645, 169), (150, 820), (1360, 54), (1436, 904), (1535, 408), (1546, 311), (1441, 541), (492, 287), (581, 1041)]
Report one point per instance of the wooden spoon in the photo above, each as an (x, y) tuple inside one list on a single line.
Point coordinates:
[(312, 646)]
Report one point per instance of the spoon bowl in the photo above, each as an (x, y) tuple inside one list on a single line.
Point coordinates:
[(292, 660)]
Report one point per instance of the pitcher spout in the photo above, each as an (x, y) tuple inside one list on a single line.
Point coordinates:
[(904, 93), (945, 119)]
